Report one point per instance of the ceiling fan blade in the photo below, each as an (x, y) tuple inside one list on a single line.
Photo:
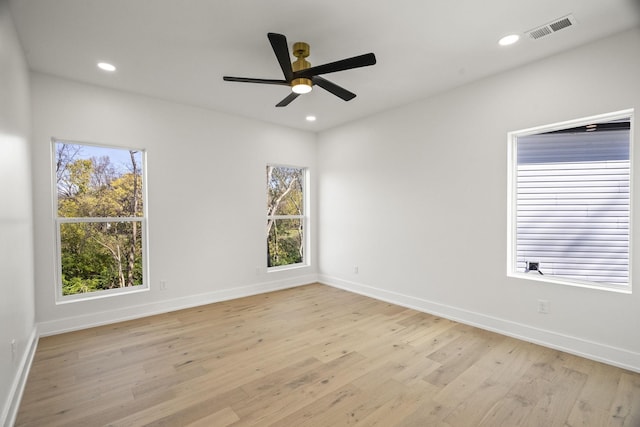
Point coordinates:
[(288, 99), (251, 80), (344, 64), (338, 91), (281, 49)]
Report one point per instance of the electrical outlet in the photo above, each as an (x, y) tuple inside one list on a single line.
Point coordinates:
[(14, 349), (258, 271), (355, 269), (543, 306), (163, 285)]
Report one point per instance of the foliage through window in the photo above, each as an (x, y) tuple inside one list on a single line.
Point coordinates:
[(100, 218), (285, 216), (571, 202)]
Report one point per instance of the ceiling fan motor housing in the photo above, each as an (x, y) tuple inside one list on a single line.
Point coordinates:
[(301, 51)]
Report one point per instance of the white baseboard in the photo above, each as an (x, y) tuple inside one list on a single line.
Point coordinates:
[(580, 347), (10, 408), (84, 321)]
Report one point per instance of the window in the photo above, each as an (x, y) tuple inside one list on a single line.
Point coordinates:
[(100, 220), (286, 220), (570, 202)]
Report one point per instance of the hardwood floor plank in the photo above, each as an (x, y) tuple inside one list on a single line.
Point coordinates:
[(427, 413), (105, 413), (460, 354), (185, 408), (554, 407), (270, 405), (403, 404), (223, 418), (59, 410), (370, 400), (315, 356), (625, 410), (596, 398), (331, 409), (505, 362), (546, 387)]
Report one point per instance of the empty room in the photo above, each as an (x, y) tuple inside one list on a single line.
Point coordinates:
[(286, 213)]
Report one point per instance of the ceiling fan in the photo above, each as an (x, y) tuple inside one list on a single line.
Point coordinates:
[(300, 75)]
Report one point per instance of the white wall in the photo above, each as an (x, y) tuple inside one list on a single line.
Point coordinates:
[(207, 197), (16, 227), (416, 197)]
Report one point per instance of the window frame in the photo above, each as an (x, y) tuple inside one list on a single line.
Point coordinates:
[(304, 218), (512, 223), (58, 221)]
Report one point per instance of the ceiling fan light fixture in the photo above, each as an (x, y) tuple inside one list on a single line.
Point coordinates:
[(301, 86)]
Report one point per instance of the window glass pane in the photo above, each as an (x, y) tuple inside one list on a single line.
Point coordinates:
[(285, 242), (94, 181), (572, 203), (100, 255), (562, 147), (284, 190)]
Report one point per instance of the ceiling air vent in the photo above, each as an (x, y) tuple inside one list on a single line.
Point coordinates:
[(551, 27)]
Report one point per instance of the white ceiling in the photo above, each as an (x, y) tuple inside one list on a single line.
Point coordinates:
[(179, 50)]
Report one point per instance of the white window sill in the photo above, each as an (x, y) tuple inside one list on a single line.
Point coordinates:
[(286, 267), (101, 294), (568, 282)]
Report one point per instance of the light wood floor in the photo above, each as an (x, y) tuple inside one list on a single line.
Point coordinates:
[(315, 356)]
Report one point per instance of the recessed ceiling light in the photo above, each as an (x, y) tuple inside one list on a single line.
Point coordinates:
[(507, 40), (311, 118), (106, 66)]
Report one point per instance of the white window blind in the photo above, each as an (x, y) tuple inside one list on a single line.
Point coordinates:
[(572, 205)]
